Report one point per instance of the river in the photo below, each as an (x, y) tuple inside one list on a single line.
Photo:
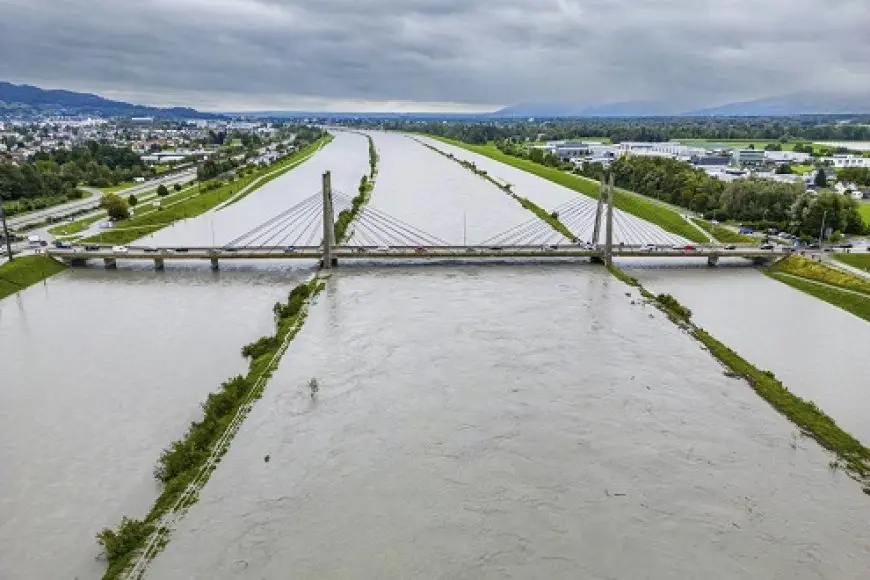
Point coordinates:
[(103, 369), (472, 421), (524, 421)]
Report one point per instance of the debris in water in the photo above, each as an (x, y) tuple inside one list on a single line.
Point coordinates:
[(266, 459), (313, 387), (867, 490)]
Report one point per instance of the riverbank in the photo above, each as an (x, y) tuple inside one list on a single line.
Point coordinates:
[(549, 218), (137, 227), (628, 202), (364, 191), (185, 466), (852, 455), (722, 234), (835, 287), (26, 271)]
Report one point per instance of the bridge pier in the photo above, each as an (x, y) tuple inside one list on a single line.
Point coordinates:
[(712, 260), (110, 263), (328, 260), (608, 247), (214, 265), (158, 263)]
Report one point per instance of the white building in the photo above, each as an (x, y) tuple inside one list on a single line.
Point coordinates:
[(840, 161)]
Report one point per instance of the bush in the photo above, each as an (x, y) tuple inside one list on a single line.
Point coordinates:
[(674, 307), (132, 200), (130, 534), (115, 207), (162, 191), (177, 187), (260, 347)]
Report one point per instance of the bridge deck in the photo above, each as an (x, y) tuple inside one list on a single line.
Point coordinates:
[(400, 253)]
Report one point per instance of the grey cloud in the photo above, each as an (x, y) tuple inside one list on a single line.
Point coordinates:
[(286, 53)]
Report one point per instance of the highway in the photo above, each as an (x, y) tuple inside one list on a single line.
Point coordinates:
[(93, 201)]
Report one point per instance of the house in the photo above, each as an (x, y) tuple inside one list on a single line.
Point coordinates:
[(847, 161)]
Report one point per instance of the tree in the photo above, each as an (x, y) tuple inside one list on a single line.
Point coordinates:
[(821, 179), (115, 206), (784, 169), (162, 191), (177, 187), (132, 201)]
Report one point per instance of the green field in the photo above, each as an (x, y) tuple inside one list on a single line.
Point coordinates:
[(861, 261), (76, 226), (141, 225), (864, 210), (25, 271), (739, 143), (723, 234), (634, 204)]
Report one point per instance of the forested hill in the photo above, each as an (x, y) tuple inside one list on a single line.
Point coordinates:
[(29, 100)]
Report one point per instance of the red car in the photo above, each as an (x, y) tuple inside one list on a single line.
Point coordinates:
[(689, 248)]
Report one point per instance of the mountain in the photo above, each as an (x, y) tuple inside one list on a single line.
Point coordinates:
[(794, 104), (26, 99), (619, 109)]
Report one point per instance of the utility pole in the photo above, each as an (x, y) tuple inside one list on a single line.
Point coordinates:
[(464, 231), (822, 232), (5, 231)]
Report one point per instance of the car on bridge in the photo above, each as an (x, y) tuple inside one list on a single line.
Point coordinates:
[(92, 248), (730, 247), (383, 248), (766, 247), (120, 249), (649, 247), (496, 249), (289, 250), (61, 245), (420, 250)]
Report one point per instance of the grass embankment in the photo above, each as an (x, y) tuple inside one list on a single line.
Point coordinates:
[(77, 226), (550, 219), (805, 414), (860, 261), (633, 203), (723, 234), (26, 271), (864, 210), (804, 268), (857, 304), (186, 465), (141, 225), (278, 169), (366, 185)]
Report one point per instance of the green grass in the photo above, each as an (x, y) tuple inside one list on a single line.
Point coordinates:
[(632, 203), (76, 226), (804, 268), (117, 188), (864, 210), (723, 234), (802, 169), (25, 271), (804, 414), (861, 261), (759, 144), (139, 226), (853, 303)]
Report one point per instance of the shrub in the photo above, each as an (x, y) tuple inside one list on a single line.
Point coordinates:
[(674, 307), (260, 347), (162, 191)]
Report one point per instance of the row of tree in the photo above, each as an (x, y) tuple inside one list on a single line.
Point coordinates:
[(787, 206), (806, 128)]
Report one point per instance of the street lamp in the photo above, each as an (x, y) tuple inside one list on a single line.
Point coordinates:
[(5, 230)]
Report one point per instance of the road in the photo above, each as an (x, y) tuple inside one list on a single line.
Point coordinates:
[(94, 200)]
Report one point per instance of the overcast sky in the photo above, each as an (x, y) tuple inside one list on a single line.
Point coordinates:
[(235, 55)]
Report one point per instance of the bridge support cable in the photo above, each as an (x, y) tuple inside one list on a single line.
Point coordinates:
[(308, 221), (284, 214), (274, 232), (395, 229)]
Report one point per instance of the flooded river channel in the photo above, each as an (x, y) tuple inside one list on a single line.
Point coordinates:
[(476, 421)]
